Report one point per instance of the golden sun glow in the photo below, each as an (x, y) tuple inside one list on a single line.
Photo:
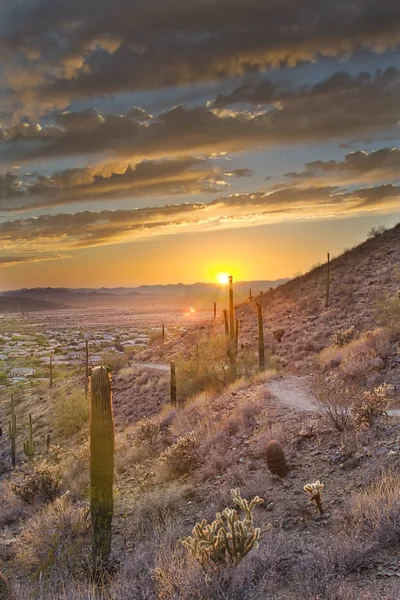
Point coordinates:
[(223, 278)]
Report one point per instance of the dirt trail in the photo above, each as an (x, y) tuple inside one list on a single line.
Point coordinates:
[(156, 366), (295, 392)]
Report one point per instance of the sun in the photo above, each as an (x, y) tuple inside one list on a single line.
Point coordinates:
[(223, 278)]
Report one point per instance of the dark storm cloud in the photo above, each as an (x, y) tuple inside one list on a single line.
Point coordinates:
[(338, 107), (85, 48), (187, 175), (356, 166), (94, 228)]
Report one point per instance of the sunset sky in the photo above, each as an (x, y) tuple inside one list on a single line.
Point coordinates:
[(170, 140)]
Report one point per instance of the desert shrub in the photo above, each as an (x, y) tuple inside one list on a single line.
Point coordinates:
[(228, 539), (11, 508), (376, 231), (182, 457), (40, 480), (372, 405), (374, 512), (148, 430), (334, 398), (278, 334), (387, 311), (75, 466), (343, 336), (71, 413), (361, 356), (55, 539), (154, 510), (208, 369)]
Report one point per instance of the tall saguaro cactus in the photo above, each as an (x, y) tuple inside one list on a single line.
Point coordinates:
[(162, 335), (86, 368), (231, 310), (51, 367), (12, 431), (101, 464), (250, 295), (328, 280), (173, 384), (215, 311), (30, 444), (261, 346)]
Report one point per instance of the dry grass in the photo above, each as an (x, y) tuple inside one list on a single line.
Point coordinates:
[(360, 356), (55, 539), (71, 414), (374, 512)]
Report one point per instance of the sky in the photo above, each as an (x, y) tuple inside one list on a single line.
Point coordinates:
[(168, 141)]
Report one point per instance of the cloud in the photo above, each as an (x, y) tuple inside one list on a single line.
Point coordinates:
[(57, 52), (356, 166), (12, 260), (339, 107), (63, 232), (186, 175)]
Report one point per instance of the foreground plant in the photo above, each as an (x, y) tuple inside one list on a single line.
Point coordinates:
[(372, 405), (101, 464), (229, 538), (315, 490)]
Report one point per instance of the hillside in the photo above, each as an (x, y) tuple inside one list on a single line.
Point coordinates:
[(176, 465), (14, 304)]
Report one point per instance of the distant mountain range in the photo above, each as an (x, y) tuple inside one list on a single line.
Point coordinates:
[(56, 298)]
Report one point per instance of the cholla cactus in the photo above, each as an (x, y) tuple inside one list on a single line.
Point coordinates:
[(228, 538), (315, 489), (343, 336), (373, 404), (182, 457)]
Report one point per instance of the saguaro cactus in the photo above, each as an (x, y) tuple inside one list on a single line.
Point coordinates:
[(237, 335), (30, 444), (215, 311), (250, 295), (86, 368), (101, 464), (231, 310), (328, 280), (173, 383), (261, 347), (12, 431), (51, 367), (162, 335)]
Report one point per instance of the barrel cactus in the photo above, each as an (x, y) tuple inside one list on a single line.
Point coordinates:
[(276, 461), (101, 463)]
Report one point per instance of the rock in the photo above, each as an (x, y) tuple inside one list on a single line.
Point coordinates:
[(306, 431), (381, 451)]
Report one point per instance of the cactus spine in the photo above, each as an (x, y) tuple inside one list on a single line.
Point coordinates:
[(101, 464), (173, 384), (86, 368), (12, 431), (30, 444), (328, 280), (261, 348)]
